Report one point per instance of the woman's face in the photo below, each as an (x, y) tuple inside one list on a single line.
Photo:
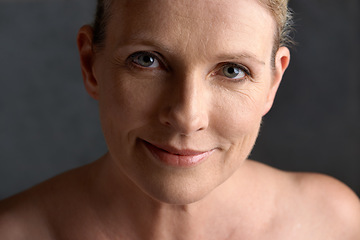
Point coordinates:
[(182, 88)]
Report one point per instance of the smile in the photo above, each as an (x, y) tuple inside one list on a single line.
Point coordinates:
[(177, 158)]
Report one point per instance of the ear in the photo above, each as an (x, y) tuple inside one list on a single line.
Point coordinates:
[(85, 47), (282, 60)]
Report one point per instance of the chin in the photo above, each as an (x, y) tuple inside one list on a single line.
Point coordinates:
[(179, 190)]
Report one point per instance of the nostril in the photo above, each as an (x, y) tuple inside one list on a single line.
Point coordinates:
[(201, 129)]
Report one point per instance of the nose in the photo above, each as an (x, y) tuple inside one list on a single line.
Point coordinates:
[(186, 107)]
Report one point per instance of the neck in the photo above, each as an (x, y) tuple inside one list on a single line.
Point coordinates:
[(123, 207)]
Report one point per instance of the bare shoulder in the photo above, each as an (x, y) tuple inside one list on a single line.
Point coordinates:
[(323, 206), (9, 222), (333, 199), (31, 214), (311, 205), (20, 218)]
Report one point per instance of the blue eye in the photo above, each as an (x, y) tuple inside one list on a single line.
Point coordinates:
[(145, 59), (234, 72)]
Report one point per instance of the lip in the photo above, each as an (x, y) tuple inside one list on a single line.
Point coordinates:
[(172, 156)]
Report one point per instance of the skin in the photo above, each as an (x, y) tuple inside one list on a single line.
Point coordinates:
[(184, 101), (187, 103)]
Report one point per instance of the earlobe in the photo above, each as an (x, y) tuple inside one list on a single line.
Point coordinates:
[(84, 42), (282, 60)]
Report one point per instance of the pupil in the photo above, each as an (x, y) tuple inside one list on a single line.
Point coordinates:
[(147, 59), (231, 71)]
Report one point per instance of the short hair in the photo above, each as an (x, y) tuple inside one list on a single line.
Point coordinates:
[(278, 8), (283, 17), (102, 16)]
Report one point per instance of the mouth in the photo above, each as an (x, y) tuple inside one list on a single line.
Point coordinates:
[(177, 157)]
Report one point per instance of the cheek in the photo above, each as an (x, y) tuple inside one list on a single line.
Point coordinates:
[(238, 114), (126, 105), (237, 123), (240, 128)]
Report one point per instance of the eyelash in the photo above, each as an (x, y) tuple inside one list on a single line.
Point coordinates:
[(235, 65), (131, 59), (243, 68), (157, 56)]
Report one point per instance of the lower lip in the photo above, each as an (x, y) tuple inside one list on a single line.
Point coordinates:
[(177, 160)]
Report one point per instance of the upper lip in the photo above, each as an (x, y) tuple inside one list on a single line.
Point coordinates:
[(176, 151)]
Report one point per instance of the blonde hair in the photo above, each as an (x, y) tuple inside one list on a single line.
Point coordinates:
[(284, 20), (278, 8)]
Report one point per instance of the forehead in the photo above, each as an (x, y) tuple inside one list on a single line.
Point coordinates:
[(193, 24)]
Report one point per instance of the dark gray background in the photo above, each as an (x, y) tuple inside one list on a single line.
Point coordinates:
[(48, 124)]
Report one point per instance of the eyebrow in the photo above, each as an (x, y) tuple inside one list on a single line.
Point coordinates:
[(142, 40), (239, 56)]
